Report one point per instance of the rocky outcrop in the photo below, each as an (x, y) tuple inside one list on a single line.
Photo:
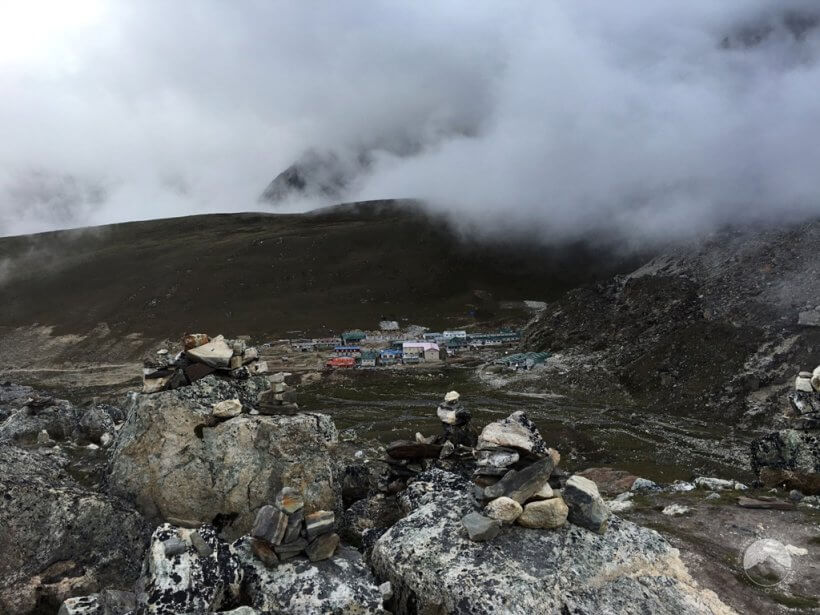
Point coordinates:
[(182, 464), (342, 584), (434, 567), (26, 413), (57, 538), (195, 571), (183, 574), (789, 459)]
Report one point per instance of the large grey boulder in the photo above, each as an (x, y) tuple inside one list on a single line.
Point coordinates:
[(180, 464), (434, 567), (788, 459), (59, 539), (516, 431), (340, 585)]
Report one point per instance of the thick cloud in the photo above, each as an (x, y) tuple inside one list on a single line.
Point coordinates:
[(646, 121)]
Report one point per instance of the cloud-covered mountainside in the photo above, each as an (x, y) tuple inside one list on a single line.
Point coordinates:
[(641, 121)]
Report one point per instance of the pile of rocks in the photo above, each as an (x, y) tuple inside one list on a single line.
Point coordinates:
[(200, 356), (280, 399), (512, 482), (455, 420), (283, 530), (453, 448), (805, 400)]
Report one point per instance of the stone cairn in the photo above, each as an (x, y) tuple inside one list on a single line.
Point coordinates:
[(515, 473), (283, 530), (452, 449), (805, 400), (280, 399), (513, 476), (201, 356)]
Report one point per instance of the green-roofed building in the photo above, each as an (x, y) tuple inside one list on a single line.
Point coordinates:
[(353, 337)]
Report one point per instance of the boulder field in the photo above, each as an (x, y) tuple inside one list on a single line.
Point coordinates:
[(195, 512)]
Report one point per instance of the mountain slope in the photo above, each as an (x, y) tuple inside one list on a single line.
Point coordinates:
[(709, 329), (268, 275)]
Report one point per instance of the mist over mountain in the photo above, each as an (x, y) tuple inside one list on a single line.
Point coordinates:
[(642, 123)]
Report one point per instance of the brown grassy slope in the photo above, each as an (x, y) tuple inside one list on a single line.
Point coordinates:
[(269, 275)]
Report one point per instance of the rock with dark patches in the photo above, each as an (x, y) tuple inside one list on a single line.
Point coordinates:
[(586, 507), (516, 431), (58, 538), (788, 459), (177, 463), (496, 457), (322, 547), (341, 585), (521, 485), (372, 515), (431, 564), (188, 582)]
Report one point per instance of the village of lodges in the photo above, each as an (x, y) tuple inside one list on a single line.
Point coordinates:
[(389, 347)]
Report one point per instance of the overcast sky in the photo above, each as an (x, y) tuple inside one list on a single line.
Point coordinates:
[(645, 120)]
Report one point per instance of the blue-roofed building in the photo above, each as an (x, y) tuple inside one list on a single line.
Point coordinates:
[(347, 351)]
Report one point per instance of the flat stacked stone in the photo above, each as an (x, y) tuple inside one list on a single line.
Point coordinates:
[(282, 530)]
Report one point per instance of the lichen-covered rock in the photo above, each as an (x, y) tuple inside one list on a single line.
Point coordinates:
[(59, 539), (431, 564), (340, 585), (789, 459), (179, 464), (516, 431), (185, 581)]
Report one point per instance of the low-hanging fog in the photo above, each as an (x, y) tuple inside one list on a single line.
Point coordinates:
[(643, 121)]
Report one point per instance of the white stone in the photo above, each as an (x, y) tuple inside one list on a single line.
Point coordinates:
[(228, 408), (215, 353), (796, 550), (675, 510), (452, 396), (250, 354), (619, 505), (503, 509), (801, 383), (155, 385), (106, 439), (544, 493), (815, 378), (715, 484)]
